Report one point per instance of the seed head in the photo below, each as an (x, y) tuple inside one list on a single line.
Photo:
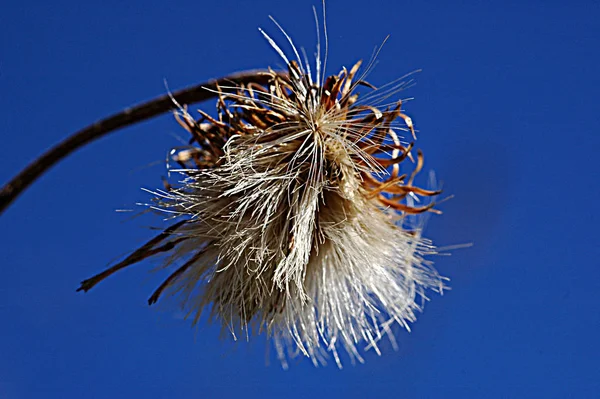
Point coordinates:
[(292, 217)]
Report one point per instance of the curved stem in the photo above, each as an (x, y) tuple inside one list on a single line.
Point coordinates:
[(128, 116)]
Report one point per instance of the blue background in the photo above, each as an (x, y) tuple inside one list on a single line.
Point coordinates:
[(507, 109)]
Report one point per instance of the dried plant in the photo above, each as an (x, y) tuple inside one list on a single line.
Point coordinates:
[(292, 216)]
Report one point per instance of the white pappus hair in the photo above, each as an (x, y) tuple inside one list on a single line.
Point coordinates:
[(292, 217)]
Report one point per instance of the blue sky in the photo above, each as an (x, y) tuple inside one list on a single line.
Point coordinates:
[(507, 109)]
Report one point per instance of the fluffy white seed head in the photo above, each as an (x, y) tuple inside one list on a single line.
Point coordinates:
[(292, 217)]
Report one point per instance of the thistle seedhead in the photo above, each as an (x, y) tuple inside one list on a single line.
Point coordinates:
[(292, 215)]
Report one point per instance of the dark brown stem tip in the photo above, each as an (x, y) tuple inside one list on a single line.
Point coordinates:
[(87, 285)]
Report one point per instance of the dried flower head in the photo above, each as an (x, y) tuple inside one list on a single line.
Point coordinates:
[(292, 216)]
